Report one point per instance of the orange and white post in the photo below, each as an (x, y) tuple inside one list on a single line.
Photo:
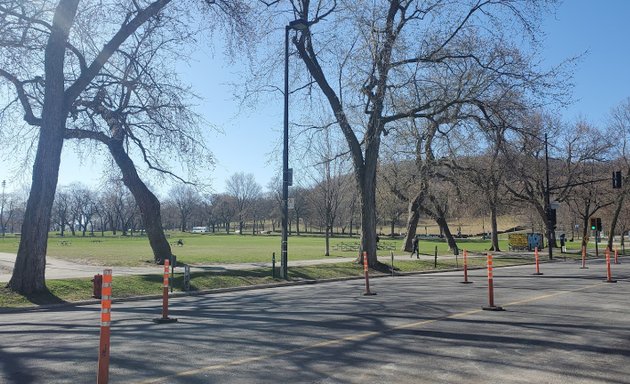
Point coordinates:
[(165, 318), (583, 258), (491, 306), (609, 278), (466, 268), (537, 258), (367, 276), (106, 312), (616, 256)]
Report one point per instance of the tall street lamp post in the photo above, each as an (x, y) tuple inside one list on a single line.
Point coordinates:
[(4, 183), (548, 213), (296, 25)]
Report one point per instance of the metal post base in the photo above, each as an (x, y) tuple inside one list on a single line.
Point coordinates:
[(493, 308), (369, 294), (165, 320), (466, 282)]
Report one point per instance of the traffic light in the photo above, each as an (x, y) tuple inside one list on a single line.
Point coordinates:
[(552, 217), (596, 224), (616, 179)]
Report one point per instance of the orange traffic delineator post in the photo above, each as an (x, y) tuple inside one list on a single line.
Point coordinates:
[(616, 256), (491, 306), (367, 276), (466, 269), (165, 318), (102, 376), (583, 258), (537, 262), (609, 278)]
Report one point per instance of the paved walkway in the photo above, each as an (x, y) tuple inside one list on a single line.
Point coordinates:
[(62, 269)]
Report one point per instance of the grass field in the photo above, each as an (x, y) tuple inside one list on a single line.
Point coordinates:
[(214, 248)]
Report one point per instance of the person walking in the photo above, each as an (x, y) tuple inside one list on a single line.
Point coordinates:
[(415, 247)]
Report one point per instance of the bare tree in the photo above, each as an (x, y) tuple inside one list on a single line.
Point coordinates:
[(83, 203), (326, 168), (584, 202), (34, 33), (9, 208), (374, 71), (186, 199), (51, 56), (224, 208), (572, 150), (61, 209), (244, 189), (619, 128)]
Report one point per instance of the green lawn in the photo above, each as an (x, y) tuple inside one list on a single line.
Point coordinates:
[(214, 248)]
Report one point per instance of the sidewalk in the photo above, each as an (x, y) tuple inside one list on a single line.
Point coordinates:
[(61, 269)]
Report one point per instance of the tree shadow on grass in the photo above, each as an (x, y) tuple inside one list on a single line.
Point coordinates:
[(44, 298)]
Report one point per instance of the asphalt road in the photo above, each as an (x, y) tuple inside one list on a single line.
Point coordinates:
[(566, 326)]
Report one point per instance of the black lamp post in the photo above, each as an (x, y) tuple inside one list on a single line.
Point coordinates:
[(548, 213), (4, 183), (296, 25)]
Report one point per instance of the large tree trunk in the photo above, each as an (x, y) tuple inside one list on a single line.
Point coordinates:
[(450, 240), (30, 264), (585, 232), (495, 229), (366, 179), (439, 215), (413, 217), (147, 202), (615, 219)]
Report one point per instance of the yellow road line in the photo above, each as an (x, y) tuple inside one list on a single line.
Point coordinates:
[(344, 339), (542, 297)]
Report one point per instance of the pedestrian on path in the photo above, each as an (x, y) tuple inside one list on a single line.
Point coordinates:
[(415, 247)]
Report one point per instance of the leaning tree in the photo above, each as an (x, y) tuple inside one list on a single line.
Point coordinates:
[(52, 57)]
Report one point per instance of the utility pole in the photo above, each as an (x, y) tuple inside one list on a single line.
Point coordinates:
[(4, 183), (287, 175), (548, 202)]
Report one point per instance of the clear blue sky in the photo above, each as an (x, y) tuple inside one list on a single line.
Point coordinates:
[(250, 139), (602, 77)]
